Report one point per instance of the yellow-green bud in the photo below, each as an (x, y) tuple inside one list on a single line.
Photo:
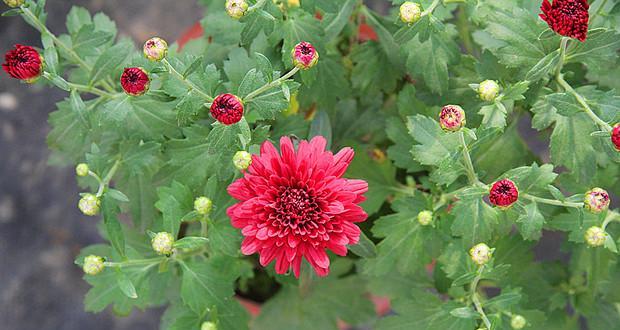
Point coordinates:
[(480, 254), (93, 265), (595, 236), (162, 243), (518, 322), (89, 204), (81, 169), (208, 326), (155, 49), (410, 12), (488, 90), (236, 8), (425, 217), (14, 3), (242, 160), (203, 205), (596, 200)]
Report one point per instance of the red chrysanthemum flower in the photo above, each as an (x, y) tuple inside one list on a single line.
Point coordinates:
[(294, 204), (24, 63), (135, 81), (503, 193), (615, 136), (227, 109), (304, 55), (567, 17)]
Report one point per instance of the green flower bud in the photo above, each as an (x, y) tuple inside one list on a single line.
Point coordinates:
[(93, 265), (236, 8), (595, 236), (81, 169), (162, 243), (208, 326), (242, 160), (155, 49), (518, 322), (14, 3), (410, 12), (488, 90), (203, 205), (596, 200), (425, 217), (480, 254), (89, 204)]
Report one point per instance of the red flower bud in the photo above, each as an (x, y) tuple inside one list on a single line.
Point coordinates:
[(567, 17), (451, 118), (615, 136), (503, 193), (135, 81), (24, 63), (596, 200), (227, 109), (304, 55)]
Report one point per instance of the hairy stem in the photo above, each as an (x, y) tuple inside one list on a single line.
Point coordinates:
[(551, 201), (469, 166), (476, 299), (432, 7), (270, 85)]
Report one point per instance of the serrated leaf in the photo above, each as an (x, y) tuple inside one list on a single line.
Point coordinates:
[(110, 60), (174, 202), (190, 242), (565, 104), (435, 144), (531, 222), (114, 231), (124, 283), (474, 220), (365, 248)]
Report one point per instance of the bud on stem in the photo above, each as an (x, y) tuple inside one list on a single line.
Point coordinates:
[(480, 254), (162, 243), (89, 204), (93, 265), (242, 160), (203, 205), (410, 12)]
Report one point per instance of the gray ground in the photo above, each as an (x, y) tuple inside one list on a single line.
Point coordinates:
[(41, 230)]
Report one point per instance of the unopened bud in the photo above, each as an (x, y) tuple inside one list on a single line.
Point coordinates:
[(425, 217), (208, 326), (14, 3), (81, 169), (595, 236), (518, 322), (236, 8), (596, 200), (615, 136), (155, 49), (410, 12), (488, 90), (242, 160), (480, 254), (304, 55), (89, 204), (203, 205), (93, 265), (162, 243), (451, 118)]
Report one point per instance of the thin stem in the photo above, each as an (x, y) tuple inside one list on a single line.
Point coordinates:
[(582, 101), (469, 166), (104, 183), (135, 262), (601, 123), (430, 9), (188, 83), (91, 90), (267, 86), (611, 216), (551, 201), (259, 4), (204, 226), (476, 299)]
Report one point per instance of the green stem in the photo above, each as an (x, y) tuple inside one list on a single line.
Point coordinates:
[(259, 4), (204, 226), (462, 24), (430, 9), (476, 299), (611, 216), (104, 183), (91, 90), (135, 262), (188, 83), (551, 201), (469, 166), (568, 88), (270, 85)]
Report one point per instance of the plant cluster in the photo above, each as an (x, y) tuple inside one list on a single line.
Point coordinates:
[(210, 167)]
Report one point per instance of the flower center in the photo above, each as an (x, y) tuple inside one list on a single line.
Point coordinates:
[(295, 207), (505, 189), (306, 50)]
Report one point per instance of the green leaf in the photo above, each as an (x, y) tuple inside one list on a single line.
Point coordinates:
[(576, 222), (110, 60), (425, 311), (565, 104), (406, 246), (435, 145), (117, 195), (474, 220), (316, 307), (124, 283), (531, 222), (504, 301), (302, 27), (255, 23), (400, 151), (365, 248), (373, 71), (334, 23), (494, 115), (174, 202), (573, 147), (114, 230), (321, 126), (599, 50), (532, 179), (544, 67), (209, 284), (190, 242), (464, 313)]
